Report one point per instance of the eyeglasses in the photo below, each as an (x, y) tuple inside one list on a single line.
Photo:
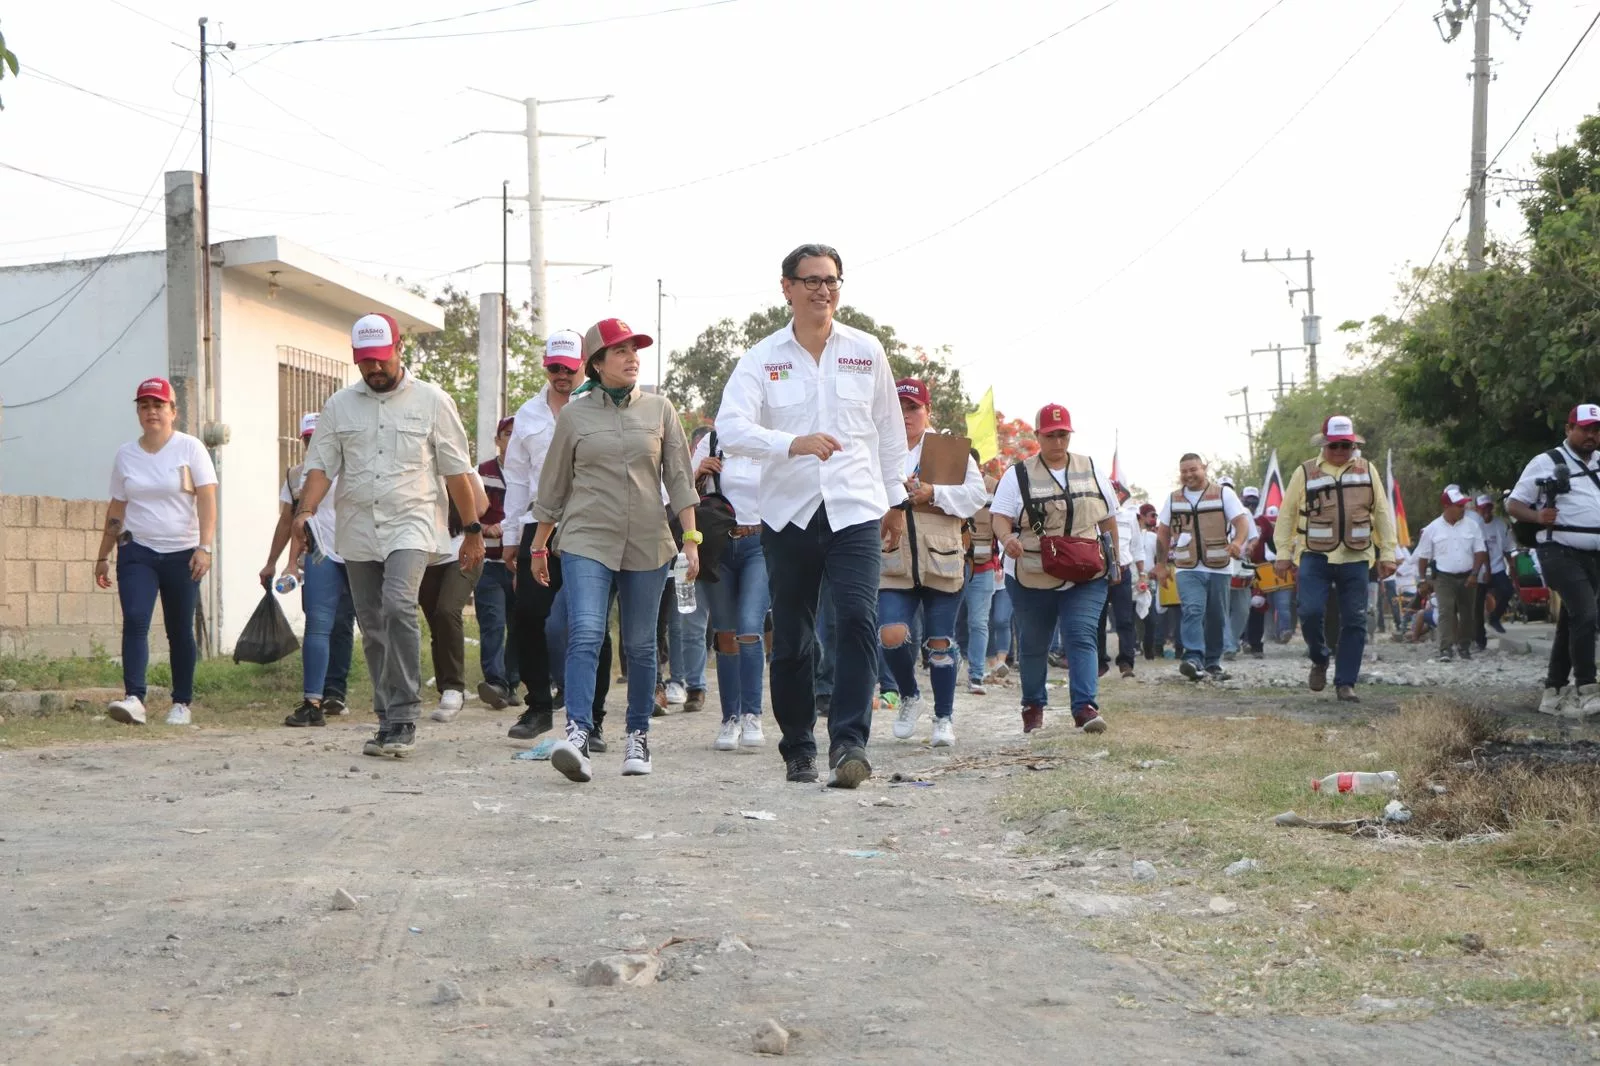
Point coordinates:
[(557, 369), (1339, 445), (813, 283)]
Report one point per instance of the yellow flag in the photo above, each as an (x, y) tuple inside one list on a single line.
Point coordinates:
[(982, 429)]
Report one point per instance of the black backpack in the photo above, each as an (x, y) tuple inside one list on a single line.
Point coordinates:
[(714, 517)]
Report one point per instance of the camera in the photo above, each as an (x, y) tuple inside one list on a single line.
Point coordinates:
[(1559, 483)]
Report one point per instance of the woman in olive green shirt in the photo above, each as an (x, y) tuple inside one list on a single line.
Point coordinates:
[(614, 449)]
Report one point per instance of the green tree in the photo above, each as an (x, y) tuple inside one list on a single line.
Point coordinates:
[(8, 61)]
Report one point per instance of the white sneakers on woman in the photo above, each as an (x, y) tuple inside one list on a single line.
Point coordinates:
[(905, 720), (129, 710), (728, 735), (179, 715)]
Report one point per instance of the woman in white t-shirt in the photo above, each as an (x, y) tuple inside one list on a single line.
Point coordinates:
[(162, 516)]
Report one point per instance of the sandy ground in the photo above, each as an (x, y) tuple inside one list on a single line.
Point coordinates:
[(173, 904)]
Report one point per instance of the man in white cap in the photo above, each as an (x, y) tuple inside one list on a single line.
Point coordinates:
[(1454, 544), (399, 452), (532, 429), (1239, 590), (1204, 530), (1558, 498), (1496, 579), (1334, 522)]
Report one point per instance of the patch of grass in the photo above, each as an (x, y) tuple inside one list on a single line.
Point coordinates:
[(1329, 917)]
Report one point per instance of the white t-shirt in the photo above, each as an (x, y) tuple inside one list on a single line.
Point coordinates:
[(1008, 503), (1580, 507), (161, 515), (1452, 546), (1231, 509), (321, 523)]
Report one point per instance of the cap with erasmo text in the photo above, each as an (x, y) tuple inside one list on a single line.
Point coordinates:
[(374, 337), (1452, 494), (308, 424), (1052, 417), (155, 388), (564, 348), (1585, 414)]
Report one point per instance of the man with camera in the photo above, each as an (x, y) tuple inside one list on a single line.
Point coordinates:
[(1557, 501)]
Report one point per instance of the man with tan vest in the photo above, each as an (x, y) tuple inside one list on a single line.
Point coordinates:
[(1205, 528), (1335, 520), (928, 570)]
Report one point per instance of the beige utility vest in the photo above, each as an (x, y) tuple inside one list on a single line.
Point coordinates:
[(1206, 525), (1338, 508), (982, 527), (1081, 498), (930, 555)]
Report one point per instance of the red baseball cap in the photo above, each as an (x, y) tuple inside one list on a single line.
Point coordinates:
[(374, 337), (1052, 416), (1585, 414), (609, 332), (1452, 494), (160, 388), (505, 424), (913, 390)]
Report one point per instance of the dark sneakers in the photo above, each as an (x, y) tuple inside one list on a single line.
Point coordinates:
[(824, 705), (597, 738), (307, 714), (1032, 717), (802, 768), (334, 705), (400, 740), (849, 768), (695, 700), (570, 757), (493, 695), (1188, 669), (1087, 718), (1347, 693), (374, 744), (531, 724)]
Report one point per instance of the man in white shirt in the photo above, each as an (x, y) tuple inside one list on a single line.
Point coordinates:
[(1568, 548), (815, 402), (1239, 591), (1210, 532), (1454, 544), (1496, 578), (1119, 603)]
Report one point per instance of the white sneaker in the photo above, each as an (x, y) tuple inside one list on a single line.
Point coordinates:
[(450, 704), (728, 735), (750, 734), (905, 720), (944, 733), (975, 688), (1586, 703), (129, 710), (1550, 702), (677, 695), (179, 715), (636, 755), (570, 756)]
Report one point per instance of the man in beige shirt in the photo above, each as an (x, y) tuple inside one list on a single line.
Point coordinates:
[(389, 440)]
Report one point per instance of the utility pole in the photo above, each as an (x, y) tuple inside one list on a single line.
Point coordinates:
[(538, 259), (1279, 349), (505, 296), (1310, 323), (1513, 15), (1247, 418), (659, 346)]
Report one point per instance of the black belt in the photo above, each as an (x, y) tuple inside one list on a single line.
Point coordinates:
[(1452, 573)]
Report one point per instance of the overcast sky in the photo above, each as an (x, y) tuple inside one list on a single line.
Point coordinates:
[(1111, 284)]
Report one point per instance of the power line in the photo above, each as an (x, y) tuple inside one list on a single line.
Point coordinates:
[(147, 17), (96, 360), (391, 29), (871, 121)]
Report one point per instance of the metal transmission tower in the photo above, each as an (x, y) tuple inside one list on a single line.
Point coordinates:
[(537, 257), (1310, 322), (1513, 15)]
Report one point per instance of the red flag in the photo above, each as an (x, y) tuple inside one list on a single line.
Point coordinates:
[(1272, 487), (1402, 531), (1116, 461)]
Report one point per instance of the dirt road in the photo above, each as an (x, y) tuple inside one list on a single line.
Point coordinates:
[(173, 904)]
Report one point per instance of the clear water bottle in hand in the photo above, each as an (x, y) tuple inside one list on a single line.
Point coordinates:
[(685, 587), (1359, 783), (286, 584)]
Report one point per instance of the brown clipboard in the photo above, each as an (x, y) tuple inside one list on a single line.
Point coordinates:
[(944, 459)]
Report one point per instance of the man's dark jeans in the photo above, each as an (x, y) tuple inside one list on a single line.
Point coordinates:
[(1575, 576), (1344, 585), (797, 561)]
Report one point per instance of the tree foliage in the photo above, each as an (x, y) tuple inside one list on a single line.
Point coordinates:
[(8, 62), (697, 375)]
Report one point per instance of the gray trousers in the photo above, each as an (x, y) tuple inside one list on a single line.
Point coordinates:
[(385, 596), (1457, 604), (1237, 618)]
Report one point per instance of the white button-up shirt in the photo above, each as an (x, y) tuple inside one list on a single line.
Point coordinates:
[(1452, 547), (531, 432), (1580, 507), (779, 392), (740, 480), (963, 500), (1127, 517), (389, 452)]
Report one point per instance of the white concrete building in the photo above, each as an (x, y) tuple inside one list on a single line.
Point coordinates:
[(281, 345)]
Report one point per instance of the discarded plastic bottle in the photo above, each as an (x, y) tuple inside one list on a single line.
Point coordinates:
[(685, 587), (286, 584), (1359, 784)]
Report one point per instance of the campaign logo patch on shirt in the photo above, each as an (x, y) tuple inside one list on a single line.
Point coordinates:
[(778, 371), (853, 365)]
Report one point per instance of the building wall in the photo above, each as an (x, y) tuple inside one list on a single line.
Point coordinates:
[(62, 448), (49, 604)]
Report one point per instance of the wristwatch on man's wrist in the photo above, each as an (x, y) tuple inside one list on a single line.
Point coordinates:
[(693, 536), (475, 527)]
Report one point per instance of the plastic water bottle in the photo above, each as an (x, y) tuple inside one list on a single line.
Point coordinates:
[(685, 587), (286, 584), (1358, 784)]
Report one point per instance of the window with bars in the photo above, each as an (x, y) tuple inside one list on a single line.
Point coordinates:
[(305, 381)]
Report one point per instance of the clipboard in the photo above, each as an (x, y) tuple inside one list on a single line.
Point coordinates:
[(944, 459)]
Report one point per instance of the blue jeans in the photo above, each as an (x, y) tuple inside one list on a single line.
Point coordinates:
[(1204, 594), (494, 602), (686, 639), (739, 603), (330, 630), (979, 597), (1281, 603), (143, 574), (899, 607), (587, 586), (1238, 617), (1348, 581), (798, 562), (1074, 612), (824, 654), (1000, 623)]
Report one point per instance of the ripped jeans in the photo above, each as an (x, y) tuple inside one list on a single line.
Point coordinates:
[(897, 608)]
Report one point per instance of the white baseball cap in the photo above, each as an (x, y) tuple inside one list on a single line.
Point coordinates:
[(374, 336), (1272, 512), (1452, 494), (1225, 480), (1485, 500), (564, 347), (1585, 414), (308, 424), (1251, 490)]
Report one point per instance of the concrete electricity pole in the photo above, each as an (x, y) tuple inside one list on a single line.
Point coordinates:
[(1310, 323), (1513, 15)]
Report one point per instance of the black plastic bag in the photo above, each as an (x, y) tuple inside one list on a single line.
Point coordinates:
[(267, 636)]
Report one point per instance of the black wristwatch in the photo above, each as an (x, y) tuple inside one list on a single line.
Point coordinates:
[(476, 527)]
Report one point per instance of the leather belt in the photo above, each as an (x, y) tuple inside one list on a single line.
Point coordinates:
[(741, 532)]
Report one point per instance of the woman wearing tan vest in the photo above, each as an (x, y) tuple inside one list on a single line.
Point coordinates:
[(926, 571), (1068, 499)]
